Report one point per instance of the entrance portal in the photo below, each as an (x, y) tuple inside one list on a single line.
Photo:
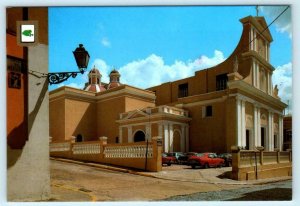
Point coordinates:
[(79, 138), (262, 133), (139, 136), (247, 139), (176, 141)]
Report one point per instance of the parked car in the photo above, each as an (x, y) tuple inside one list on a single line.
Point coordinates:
[(185, 156), (205, 160), (176, 155), (167, 160), (227, 157)]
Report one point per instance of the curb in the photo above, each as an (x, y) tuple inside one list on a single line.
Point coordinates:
[(98, 165)]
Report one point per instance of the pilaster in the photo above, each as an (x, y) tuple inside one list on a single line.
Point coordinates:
[(130, 138), (166, 137), (171, 132), (120, 135)]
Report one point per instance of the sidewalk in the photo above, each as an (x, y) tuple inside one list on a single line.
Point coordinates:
[(183, 173)]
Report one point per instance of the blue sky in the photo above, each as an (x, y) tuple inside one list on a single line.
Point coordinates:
[(152, 45)]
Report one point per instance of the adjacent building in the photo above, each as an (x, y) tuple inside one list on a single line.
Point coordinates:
[(28, 174), (231, 104)]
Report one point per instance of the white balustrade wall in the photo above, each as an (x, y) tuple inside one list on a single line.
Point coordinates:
[(60, 147), (86, 148), (136, 151)]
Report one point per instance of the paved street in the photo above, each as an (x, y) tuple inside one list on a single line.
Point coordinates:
[(274, 192), (74, 182)]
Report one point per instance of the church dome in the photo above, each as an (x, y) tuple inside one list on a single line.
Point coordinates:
[(114, 71), (94, 84), (95, 71), (114, 79)]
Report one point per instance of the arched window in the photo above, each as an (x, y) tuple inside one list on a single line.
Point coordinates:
[(139, 136)]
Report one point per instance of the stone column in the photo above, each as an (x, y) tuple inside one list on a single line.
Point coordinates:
[(243, 124), (269, 142), (254, 40), (257, 76), (130, 138), (280, 133), (238, 122), (148, 131), (271, 84), (251, 38), (255, 126), (171, 137), (166, 137), (266, 53), (254, 73), (258, 128), (268, 82), (160, 134)]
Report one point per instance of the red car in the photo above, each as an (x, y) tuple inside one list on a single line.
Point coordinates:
[(205, 160), (168, 160)]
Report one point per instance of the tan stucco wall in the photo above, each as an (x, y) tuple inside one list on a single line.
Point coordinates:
[(124, 134), (249, 115), (230, 125), (207, 133), (132, 103), (80, 119), (57, 119), (154, 130), (107, 113)]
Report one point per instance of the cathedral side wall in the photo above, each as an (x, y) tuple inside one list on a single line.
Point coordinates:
[(80, 119), (107, 113), (207, 132), (132, 103)]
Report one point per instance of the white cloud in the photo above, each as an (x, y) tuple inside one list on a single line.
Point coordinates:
[(103, 68), (282, 76), (72, 84), (153, 71), (105, 42), (283, 23)]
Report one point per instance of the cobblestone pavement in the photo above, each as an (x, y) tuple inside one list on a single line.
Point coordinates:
[(78, 181), (279, 191)]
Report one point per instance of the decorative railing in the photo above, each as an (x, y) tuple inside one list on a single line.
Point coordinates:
[(136, 151), (60, 147), (86, 148), (173, 110)]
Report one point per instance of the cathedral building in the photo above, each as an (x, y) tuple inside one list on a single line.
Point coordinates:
[(231, 104)]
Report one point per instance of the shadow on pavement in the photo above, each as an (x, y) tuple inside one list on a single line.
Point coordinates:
[(274, 194), (225, 175)]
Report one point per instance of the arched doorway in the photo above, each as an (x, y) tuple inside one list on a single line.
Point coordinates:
[(79, 138), (176, 141), (139, 136)]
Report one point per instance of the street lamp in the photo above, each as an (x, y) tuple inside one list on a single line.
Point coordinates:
[(82, 58)]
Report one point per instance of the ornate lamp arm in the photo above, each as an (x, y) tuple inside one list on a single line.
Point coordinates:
[(56, 78)]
